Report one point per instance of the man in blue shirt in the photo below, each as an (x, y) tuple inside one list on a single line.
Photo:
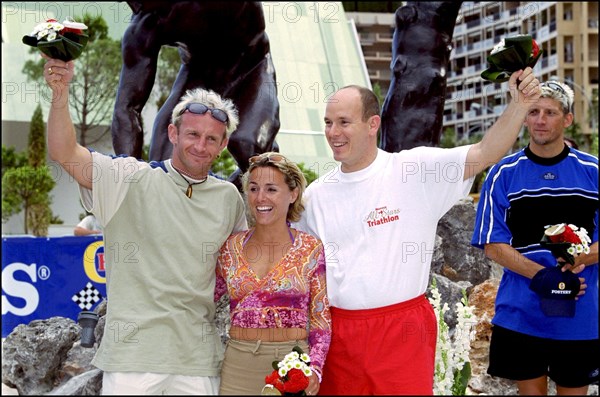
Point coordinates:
[(546, 183)]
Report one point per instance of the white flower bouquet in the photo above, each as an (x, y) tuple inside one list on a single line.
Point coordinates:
[(290, 375)]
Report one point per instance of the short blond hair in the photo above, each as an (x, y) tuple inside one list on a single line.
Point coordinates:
[(559, 92), (210, 99)]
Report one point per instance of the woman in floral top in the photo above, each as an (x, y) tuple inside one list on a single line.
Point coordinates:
[(275, 278)]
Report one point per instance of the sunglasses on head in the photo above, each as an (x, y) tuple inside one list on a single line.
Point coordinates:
[(274, 158), (200, 108), (555, 87)]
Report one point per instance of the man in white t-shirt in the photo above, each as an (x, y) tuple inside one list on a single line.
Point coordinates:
[(377, 216), (88, 225)]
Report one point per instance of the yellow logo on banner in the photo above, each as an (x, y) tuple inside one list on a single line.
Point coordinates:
[(89, 262)]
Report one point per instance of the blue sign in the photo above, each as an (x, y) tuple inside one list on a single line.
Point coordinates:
[(43, 277)]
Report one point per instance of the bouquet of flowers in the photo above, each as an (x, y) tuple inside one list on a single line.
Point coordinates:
[(64, 41), (511, 54), (290, 375), (566, 241)]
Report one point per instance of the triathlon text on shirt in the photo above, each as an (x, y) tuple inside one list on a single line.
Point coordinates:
[(382, 215)]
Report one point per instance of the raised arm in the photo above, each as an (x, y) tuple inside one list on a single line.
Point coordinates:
[(525, 91), (62, 139)]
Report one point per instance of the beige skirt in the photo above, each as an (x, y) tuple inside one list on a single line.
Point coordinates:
[(247, 363)]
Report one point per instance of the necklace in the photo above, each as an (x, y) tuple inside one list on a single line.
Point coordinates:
[(189, 190)]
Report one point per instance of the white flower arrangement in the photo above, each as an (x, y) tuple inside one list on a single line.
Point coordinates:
[(51, 29), (290, 375), (47, 30), (452, 362), (294, 360)]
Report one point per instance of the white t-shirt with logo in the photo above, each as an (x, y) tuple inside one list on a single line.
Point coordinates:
[(379, 224), (90, 222)]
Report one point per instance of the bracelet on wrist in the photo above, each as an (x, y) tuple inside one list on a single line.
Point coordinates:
[(317, 372)]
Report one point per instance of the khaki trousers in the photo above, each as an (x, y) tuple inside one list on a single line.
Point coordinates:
[(247, 363)]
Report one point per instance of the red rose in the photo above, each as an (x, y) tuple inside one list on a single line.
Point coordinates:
[(556, 239), (279, 385), (72, 30), (535, 49), (296, 381), (271, 378), (568, 236)]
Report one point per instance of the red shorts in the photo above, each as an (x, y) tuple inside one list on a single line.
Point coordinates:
[(387, 350)]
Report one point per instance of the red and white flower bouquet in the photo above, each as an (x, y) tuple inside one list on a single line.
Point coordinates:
[(509, 55), (290, 375), (566, 241), (64, 41)]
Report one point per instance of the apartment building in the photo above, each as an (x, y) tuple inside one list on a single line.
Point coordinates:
[(566, 31), (375, 31)]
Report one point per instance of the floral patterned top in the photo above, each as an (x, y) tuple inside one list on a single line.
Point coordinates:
[(292, 295)]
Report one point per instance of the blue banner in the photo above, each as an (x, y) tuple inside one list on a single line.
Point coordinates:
[(43, 277)]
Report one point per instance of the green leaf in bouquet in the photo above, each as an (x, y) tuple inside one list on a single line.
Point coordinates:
[(461, 380), (497, 76), (522, 45), (533, 60), (502, 64), (30, 40), (516, 55), (298, 350), (509, 59)]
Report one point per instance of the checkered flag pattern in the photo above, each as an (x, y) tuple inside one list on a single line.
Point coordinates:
[(86, 298)]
